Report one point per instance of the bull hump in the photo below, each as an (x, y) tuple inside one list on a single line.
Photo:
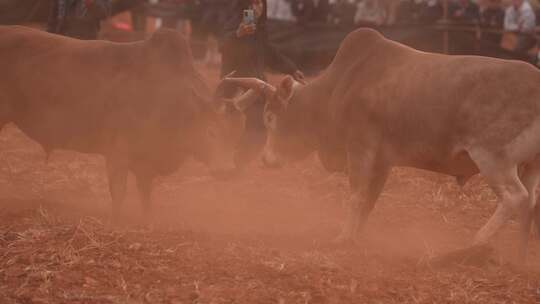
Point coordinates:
[(357, 46)]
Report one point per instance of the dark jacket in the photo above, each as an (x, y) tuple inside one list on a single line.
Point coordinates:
[(469, 13), (309, 11), (493, 17), (250, 55), (73, 18)]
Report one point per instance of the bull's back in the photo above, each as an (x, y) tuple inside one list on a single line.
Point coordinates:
[(61, 91), (425, 84), (445, 100), (469, 93), (19, 44)]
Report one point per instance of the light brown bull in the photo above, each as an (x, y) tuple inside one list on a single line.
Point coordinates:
[(381, 104)]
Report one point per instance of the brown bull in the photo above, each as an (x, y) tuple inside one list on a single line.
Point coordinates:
[(141, 105), (381, 104)]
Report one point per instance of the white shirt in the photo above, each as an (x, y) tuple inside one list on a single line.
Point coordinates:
[(279, 10), (523, 16), (370, 13)]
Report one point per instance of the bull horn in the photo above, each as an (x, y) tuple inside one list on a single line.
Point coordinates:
[(220, 89), (231, 74), (252, 83)]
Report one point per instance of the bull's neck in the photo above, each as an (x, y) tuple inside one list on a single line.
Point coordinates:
[(317, 95), (328, 146)]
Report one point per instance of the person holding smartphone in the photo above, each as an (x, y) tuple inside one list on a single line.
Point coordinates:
[(246, 51)]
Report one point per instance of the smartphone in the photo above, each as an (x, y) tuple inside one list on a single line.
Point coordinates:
[(249, 16)]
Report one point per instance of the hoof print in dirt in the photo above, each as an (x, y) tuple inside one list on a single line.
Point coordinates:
[(479, 256)]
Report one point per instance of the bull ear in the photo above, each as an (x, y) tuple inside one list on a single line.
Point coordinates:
[(286, 89)]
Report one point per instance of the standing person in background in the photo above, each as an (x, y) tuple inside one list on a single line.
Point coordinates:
[(78, 18), (464, 10), (521, 19), (370, 13), (391, 8), (280, 10), (174, 14), (246, 50), (492, 14), (311, 11), (428, 11), (342, 12), (207, 20)]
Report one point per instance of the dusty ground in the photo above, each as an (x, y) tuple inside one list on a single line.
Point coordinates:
[(261, 238)]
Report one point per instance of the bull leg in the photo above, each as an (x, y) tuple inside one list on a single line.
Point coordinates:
[(367, 175), (145, 186), (530, 179), (117, 172), (513, 196)]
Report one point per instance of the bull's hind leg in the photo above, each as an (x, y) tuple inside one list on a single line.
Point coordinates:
[(502, 176), (530, 178)]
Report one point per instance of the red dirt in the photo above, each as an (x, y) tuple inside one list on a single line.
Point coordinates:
[(261, 238)]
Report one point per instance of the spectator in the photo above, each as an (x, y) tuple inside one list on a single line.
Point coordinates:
[(391, 8), (174, 13), (520, 18), (342, 12), (311, 11), (492, 14), (431, 12), (420, 11), (78, 18), (464, 11), (246, 50), (369, 13), (280, 10), (406, 12), (207, 20)]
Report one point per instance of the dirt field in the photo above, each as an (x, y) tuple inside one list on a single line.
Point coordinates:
[(261, 238)]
